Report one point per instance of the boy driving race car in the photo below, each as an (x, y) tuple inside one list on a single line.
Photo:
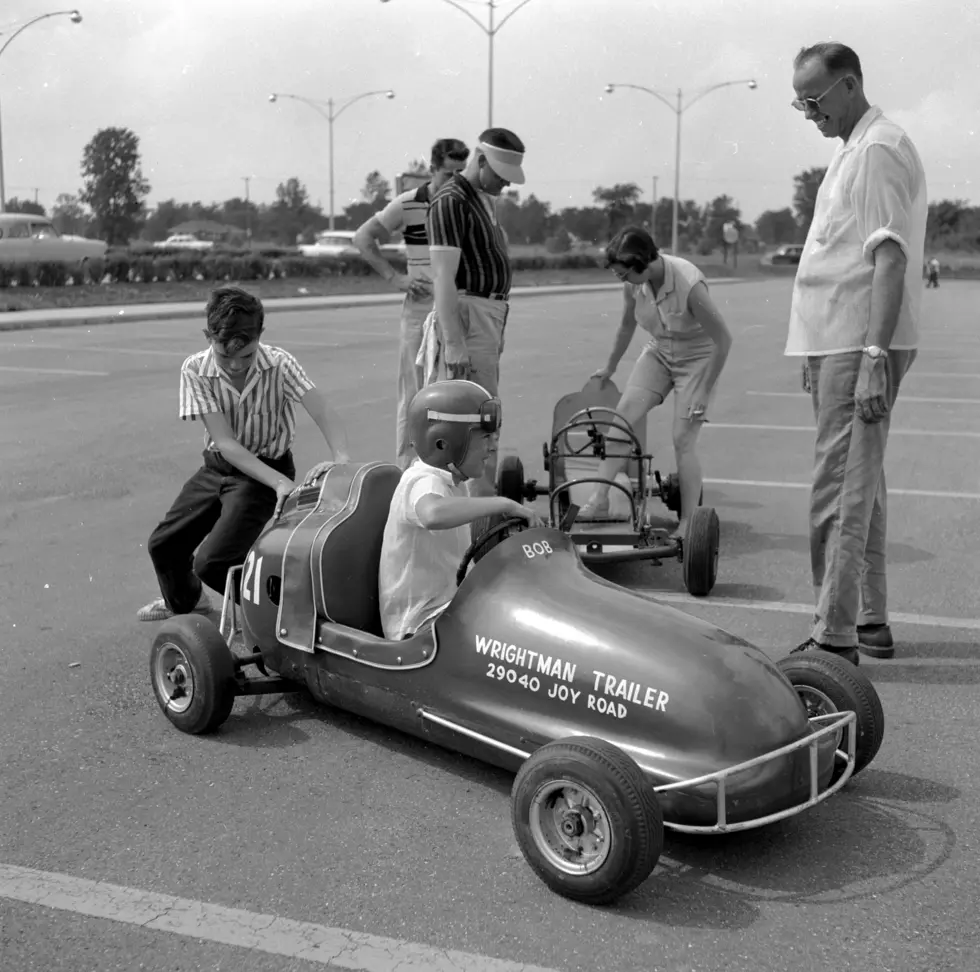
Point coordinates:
[(453, 426)]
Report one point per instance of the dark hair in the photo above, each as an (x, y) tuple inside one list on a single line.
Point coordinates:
[(502, 138), (633, 247), (448, 148), (235, 318), (836, 58)]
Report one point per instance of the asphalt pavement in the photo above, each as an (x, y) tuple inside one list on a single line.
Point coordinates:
[(299, 837)]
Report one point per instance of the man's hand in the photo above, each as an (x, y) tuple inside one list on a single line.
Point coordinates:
[(871, 391), (458, 364), (283, 488), (417, 289), (805, 376)]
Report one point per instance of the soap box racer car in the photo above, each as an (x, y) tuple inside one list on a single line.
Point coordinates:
[(587, 428), (620, 715)]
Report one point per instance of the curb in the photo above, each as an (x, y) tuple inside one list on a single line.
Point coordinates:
[(89, 317)]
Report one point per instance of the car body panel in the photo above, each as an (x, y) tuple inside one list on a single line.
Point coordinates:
[(27, 238)]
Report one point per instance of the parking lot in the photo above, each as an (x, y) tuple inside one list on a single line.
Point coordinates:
[(343, 829)]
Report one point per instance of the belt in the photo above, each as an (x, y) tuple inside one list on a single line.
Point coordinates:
[(473, 293)]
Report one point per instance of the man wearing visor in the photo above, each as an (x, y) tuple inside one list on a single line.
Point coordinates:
[(471, 269), (453, 426)]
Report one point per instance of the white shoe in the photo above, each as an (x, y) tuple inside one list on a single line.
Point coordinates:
[(157, 609)]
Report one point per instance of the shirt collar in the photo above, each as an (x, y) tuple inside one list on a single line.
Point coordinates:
[(861, 128), (210, 369), (668, 286)]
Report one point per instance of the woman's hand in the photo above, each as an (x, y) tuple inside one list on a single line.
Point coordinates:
[(604, 373)]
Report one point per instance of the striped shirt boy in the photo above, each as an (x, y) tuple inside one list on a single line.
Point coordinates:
[(263, 415), (460, 219)]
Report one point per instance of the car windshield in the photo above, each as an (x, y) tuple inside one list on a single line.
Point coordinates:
[(43, 230)]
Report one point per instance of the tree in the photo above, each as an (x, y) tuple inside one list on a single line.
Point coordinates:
[(777, 226), (69, 215), (586, 223), (805, 186), (16, 205), (114, 188), (290, 214), (618, 202), (377, 191), (721, 210), (526, 222)]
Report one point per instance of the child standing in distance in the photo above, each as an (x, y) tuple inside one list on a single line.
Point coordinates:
[(245, 392)]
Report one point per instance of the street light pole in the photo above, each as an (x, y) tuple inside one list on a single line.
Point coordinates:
[(76, 18), (679, 110), (491, 32), (331, 116)]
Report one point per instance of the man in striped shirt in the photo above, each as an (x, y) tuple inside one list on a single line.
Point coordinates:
[(245, 392), (406, 214), (471, 266)]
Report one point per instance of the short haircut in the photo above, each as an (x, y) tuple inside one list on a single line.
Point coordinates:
[(235, 318), (836, 58), (448, 148), (502, 138), (633, 247)]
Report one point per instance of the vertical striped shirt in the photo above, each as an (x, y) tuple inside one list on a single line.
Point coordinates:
[(406, 214), (459, 219), (263, 416)]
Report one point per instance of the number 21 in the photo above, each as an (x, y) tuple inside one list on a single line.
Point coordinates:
[(252, 594)]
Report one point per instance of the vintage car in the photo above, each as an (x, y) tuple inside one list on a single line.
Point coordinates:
[(27, 238), (183, 241), (335, 243), (788, 253), (620, 715)]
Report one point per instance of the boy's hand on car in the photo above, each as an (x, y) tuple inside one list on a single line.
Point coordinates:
[(525, 513), (283, 488)]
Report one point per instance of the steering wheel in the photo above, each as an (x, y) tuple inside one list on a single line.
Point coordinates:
[(483, 539)]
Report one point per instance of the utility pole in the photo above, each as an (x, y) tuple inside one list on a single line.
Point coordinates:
[(248, 215), (653, 210)]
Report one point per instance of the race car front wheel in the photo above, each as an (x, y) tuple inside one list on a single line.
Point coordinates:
[(586, 819), (193, 673)]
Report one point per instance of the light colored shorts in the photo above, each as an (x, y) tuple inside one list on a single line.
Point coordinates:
[(681, 365)]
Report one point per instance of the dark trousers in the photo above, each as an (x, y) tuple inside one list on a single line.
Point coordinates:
[(220, 513)]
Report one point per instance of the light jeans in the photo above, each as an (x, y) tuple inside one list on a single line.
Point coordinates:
[(848, 500), (413, 316)]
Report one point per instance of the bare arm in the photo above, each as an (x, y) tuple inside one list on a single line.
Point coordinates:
[(705, 312), (366, 239), (446, 512), (624, 334), (887, 292), (445, 263), (328, 422), (243, 460)]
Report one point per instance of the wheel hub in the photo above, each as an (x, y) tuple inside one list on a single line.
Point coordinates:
[(570, 827), (576, 821)]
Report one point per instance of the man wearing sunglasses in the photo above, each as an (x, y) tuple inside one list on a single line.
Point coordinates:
[(854, 321), (406, 214)]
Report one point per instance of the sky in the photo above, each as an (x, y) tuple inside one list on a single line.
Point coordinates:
[(192, 79)]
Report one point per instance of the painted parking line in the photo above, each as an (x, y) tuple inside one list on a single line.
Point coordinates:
[(902, 398), (777, 484), (53, 371), (336, 947), (940, 374), (931, 433), (784, 607)]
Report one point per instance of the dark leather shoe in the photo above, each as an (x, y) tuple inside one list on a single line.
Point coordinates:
[(849, 654), (875, 640)]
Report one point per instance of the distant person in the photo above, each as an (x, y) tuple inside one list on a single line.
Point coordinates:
[(687, 347), (855, 322), (245, 392), (406, 214), (933, 269), (471, 266)]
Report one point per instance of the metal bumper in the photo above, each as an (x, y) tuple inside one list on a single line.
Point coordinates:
[(831, 723)]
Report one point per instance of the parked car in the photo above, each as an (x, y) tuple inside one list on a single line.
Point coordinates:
[(787, 253), (336, 243), (184, 241), (26, 238)]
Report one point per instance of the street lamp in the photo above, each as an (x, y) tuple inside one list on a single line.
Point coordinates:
[(76, 18), (679, 110), (331, 115), (491, 32)]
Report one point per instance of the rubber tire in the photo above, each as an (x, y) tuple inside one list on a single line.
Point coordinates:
[(510, 479), (849, 689), (634, 813), (212, 666), (701, 546), (480, 526), (672, 493)]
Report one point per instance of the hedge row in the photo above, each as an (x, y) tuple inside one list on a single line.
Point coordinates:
[(123, 266)]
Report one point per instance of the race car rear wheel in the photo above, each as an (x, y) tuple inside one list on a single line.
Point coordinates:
[(670, 493), (510, 478), (193, 673), (586, 819), (700, 551), (826, 683)]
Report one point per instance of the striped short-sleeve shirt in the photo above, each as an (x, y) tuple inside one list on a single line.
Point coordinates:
[(458, 218), (406, 214), (263, 415)]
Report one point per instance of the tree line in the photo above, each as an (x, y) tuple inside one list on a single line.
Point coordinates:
[(112, 206)]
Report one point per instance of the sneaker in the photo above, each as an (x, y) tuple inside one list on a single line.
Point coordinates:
[(811, 644), (875, 640), (597, 508), (157, 609)]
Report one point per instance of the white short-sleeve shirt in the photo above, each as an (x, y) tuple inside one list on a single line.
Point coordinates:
[(668, 314), (874, 190), (417, 578)]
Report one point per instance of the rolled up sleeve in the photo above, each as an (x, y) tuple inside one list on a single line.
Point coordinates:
[(881, 197), (197, 397)]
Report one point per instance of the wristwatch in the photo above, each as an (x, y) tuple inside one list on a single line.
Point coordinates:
[(873, 351)]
